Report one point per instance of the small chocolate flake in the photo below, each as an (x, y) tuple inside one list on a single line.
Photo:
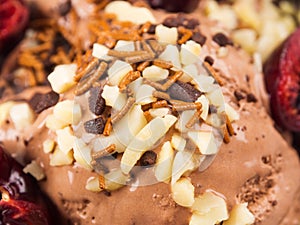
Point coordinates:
[(95, 126), (199, 38), (96, 101), (209, 60), (39, 102), (171, 22), (221, 39), (184, 92), (251, 98), (64, 8), (238, 95), (148, 158)]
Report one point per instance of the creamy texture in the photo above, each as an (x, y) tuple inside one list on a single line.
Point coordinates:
[(257, 166)]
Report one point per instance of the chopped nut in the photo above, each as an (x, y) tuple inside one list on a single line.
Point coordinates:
[(35, 170)]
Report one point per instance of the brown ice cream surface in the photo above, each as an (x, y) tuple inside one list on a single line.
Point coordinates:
[(257, 166)]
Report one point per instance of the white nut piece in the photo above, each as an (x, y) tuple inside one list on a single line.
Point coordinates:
[(144, 94), (144, 140), (21, 115), (58, 158), (118, 71), (4, 110), (92, 184), (240, 215), (190, 52), (205, 106), (100, 52), (161, 112), (171, 54), (35, 170), (65, 139), (54, 123), (155, 73), (163, 168), (205, 141), (184, 117), (183, 192), (178, 142), (82, 153), (62, 77), (67, 111), (115, 179), (232, 114), (166, 35), (48, 145), (126, 12), (113, 97), (122, 45)]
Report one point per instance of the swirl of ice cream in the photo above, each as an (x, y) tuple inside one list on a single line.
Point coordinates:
[(254, 177)]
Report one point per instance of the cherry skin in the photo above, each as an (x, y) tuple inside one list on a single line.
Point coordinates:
[(175, 6), (282, 76)]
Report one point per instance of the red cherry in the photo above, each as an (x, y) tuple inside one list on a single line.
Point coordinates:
[(175, 6), (282, 76), (21, 201), (14, 17)]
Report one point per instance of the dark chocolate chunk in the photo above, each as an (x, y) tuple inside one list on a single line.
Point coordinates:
[(95, 126), (64, 8), (221, 39), (199, 38), (181, 20), (152, 29), (148, 158), (171, 22), (96, 101), (251, 98), (39, 102), (209, 60), (184, 92), (238, 95)]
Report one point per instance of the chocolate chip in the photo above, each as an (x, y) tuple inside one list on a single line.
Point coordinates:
[(64, 8), (199, 38), (148, 158), (95, 126), (191, 24), (221, 39), (184, 92), (209, 60), (39, 102), (152, 29), (238, 95), (251, 98), (171, 22), (96, 101)]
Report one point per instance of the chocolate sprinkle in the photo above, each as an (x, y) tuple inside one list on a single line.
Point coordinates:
[(238, 95), (251, 98), (221, 39), (148, 158), (209, 60), (39, 102), (184, 92), (64, 8), (95, 126), (96, 101)]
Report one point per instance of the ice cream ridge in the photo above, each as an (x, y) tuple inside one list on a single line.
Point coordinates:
[(147, 118)]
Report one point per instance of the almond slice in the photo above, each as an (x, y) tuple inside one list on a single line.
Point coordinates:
[(144, 140), (205, 141), (163, 168), (240, 215), (183, 192)]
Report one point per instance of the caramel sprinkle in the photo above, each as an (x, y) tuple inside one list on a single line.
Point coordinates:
[(128, 78), (229, 126), (119, 115), (159, 104), (123, 54), (142, 66), (213, 73), (86, 70), (163, 64), (107, 128), (86, 84), (172, 79), (104, 152), (162, 95), (186, 35), (194, 118), (186, 106)]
